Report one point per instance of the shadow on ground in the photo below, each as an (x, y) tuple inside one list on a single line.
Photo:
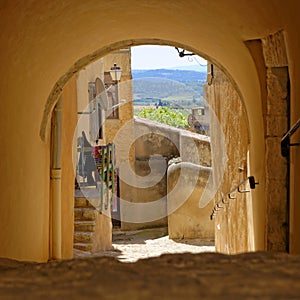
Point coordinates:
[(179, 276)]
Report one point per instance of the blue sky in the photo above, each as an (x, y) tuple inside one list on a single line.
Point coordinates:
[(159, 57)]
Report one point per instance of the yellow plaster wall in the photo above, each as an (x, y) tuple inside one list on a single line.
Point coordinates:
[(69, 122), (43, 45)]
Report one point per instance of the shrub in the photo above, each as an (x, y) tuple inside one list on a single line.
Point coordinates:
[(165, 115)]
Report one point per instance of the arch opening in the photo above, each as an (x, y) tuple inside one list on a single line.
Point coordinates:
[(216, 100), (86, 60), (259, 74)]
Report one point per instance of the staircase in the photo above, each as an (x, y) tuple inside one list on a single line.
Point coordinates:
[(85, 216), (93, 227)]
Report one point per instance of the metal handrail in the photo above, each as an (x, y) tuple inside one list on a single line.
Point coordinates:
[(285, 141)]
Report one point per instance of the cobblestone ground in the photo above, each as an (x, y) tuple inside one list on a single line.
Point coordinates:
[(185, 276), (131, 246), (156, 247)]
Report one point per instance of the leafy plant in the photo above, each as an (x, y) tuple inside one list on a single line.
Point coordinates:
[(165, 115)]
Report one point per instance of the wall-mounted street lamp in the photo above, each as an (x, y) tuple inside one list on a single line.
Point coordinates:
[(115, 72), (113, 93)]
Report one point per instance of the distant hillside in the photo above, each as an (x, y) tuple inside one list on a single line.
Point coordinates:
[(161, 88), (169, 85), (177, 75), (197, 68)]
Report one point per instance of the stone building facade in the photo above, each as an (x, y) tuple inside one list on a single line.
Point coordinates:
[(92, 218)]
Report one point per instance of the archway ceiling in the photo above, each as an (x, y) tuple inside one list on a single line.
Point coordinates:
[(54, 36)]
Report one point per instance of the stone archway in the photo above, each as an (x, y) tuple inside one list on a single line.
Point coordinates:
[(90, 58), (35, 57)]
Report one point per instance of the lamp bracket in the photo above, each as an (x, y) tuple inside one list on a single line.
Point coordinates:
[(182, 53)]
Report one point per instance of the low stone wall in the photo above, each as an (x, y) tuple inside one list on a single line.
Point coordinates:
[(154, 189), (153, 138), (186, 184), (195, 148)]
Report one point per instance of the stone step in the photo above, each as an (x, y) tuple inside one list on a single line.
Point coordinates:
[(83, 246), (88, 226), (83, 237), (82, 202), (85, 214)]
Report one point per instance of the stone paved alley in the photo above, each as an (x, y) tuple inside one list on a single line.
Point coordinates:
[(130, 246)]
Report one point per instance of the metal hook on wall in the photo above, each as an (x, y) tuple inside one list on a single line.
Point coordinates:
[(242, 191), (218, 206), (224, 202), (231, 197)]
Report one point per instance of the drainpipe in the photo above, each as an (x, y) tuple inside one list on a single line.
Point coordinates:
[(56, 180)]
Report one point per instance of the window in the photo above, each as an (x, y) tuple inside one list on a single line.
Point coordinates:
[(112, 96), (95, 110)]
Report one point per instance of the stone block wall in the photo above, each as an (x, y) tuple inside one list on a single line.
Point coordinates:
[(93, 230), (276, 115), (235, 220), (229, 124)]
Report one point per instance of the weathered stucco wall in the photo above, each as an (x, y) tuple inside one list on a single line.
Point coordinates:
[(195, 148), (185, 218), (233, 221), (155, 145)]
